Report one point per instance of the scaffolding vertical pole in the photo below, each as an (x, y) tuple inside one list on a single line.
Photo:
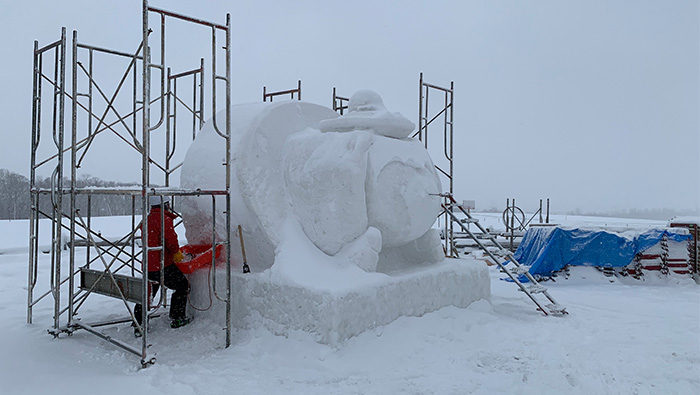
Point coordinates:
[(448, 125), (168, 116), (145, 180), (512, 225), (89, 223), (201, 95), (34, 207), (194, 104), (420, 107), (451, 126), (74, 142), (213, 79), (59, 90), (228, 178)]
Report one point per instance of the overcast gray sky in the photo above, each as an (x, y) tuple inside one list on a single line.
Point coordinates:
[(594, 104)]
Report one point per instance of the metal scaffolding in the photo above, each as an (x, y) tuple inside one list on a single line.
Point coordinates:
[(340, 103), (442, 112), (291, 92), (116, 267)]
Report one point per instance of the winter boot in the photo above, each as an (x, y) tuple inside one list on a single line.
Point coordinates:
[(178, 322)]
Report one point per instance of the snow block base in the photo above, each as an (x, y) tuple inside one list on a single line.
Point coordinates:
[(334, 316)]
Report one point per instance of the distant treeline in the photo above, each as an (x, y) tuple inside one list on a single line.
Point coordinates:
[(15, 197)]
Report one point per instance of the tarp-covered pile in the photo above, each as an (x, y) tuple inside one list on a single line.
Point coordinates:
[(547, 250)]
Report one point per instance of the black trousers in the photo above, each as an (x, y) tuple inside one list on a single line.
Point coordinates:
[(175, 280)]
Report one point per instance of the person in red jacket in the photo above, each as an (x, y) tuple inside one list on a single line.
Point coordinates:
[(173, 278)]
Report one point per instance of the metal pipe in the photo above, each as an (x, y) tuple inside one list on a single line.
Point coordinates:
[(134, 98), (452, 101), (110, 339), (161, 270), (133, 239), (213, 81), (161, 66), (108, 51), (213, 245), (73, 176), (187, 18), (425, 110), (173, 139), (58, 215), (47, 47), (437, 87), (512, 225), (145, 180), (183, 74), (201, 94), (31, 272), (38, 104), (420, 107), (171, 119), (91, 61), (89, 222), (194, 105), (228, 178)]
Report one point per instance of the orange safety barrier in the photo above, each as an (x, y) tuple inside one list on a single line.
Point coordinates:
[(198, 256)]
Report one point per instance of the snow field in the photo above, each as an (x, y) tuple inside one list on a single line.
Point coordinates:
[(619, 338)]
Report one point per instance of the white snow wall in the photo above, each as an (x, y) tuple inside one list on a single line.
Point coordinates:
[(358, 195)]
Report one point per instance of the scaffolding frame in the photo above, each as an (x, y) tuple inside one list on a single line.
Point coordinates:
[(426, 118), (122, 274), (340, 103), (291, 92)]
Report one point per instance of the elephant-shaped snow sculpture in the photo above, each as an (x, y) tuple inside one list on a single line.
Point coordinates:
[(358, 187)]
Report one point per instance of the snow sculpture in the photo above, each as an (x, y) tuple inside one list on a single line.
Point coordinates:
[(357, 187)]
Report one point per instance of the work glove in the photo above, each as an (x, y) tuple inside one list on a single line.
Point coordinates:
[(178, 257)]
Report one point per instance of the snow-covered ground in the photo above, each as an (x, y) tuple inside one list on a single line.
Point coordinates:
[(624, 337)]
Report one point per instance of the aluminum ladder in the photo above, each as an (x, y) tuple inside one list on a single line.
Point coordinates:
[(533, 289)]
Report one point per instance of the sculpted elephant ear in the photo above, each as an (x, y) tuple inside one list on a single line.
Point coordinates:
[(260, 152), (259, 201), (325, 178)]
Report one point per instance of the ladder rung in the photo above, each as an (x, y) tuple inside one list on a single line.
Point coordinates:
[(520, 270), (469, 220), (534, 289), (556, 309)]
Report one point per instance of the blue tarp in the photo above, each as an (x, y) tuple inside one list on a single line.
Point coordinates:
[(549, 249)]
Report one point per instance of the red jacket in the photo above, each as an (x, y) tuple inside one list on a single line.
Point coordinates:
[(154, 239)]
